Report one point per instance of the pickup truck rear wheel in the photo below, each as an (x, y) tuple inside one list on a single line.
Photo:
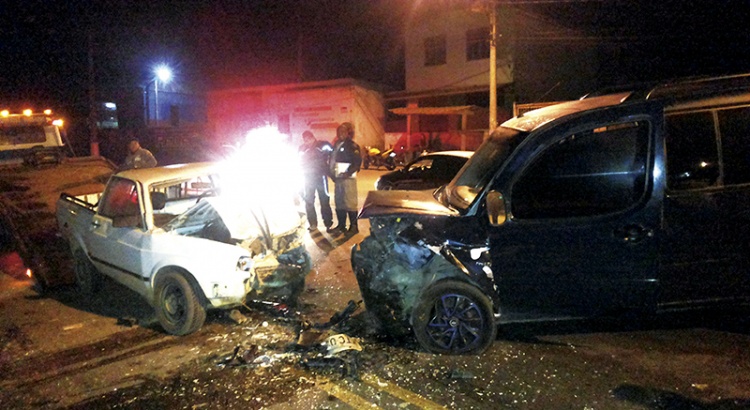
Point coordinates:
[(88, 279), (453, 317), (177, 306)]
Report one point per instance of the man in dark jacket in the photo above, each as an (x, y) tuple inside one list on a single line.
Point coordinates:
[(314, 155), (344, 165)]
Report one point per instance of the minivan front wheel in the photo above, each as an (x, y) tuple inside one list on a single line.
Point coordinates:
[(178, 308), (453, 317)]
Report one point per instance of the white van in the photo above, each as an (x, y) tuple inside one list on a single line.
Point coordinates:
[(30, 138)]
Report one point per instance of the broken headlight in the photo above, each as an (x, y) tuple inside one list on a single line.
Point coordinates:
[(245, 263)]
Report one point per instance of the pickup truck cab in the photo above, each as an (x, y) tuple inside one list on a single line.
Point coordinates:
[(169, 234), (630, 201)]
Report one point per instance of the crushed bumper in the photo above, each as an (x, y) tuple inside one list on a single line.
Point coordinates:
[(280, 277)]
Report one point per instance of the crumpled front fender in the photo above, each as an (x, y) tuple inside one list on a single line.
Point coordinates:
[(391, 277)]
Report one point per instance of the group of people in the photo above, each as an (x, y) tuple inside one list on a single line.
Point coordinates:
[(320, 160), (341, 162)]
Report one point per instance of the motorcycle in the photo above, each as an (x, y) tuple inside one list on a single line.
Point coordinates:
[(373, 156)]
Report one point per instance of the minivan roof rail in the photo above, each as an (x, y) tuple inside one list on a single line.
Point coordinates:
[(681, 89)]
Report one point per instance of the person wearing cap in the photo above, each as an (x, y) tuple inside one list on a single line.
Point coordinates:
[(344, 165), (314, 156)]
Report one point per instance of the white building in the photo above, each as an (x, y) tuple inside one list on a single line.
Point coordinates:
[(447, 64), (319, 107)]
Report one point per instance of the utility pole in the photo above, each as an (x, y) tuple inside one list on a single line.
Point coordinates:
[(93, 137), (493, 66), (490, 7)]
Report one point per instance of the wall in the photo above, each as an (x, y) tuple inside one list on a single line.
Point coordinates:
[(294, 108), (456, 72)]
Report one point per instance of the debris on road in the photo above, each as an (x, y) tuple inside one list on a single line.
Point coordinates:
[(317, 346), (237, 317), (458, 374)]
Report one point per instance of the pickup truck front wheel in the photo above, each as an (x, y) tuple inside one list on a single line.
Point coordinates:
[(177, 306), (88, 279)]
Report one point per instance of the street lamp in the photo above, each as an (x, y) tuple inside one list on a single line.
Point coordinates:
[(164, 74)]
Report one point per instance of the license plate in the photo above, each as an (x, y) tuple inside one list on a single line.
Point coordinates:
[(341, 342)]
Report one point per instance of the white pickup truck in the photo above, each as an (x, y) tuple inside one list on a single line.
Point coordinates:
[(171, 236)]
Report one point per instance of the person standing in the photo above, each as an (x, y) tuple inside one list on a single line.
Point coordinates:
[(314, 155), (138, 157), (344, 165)]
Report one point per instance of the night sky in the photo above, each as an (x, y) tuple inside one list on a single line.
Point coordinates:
[(223, 43)]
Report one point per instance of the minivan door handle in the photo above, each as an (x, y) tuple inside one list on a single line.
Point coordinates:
[(633, 233)]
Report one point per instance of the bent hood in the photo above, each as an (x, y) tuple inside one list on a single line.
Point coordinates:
[(241, 220), (395, 203), (247, 221)]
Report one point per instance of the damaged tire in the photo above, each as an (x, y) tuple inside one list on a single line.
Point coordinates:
[(178, 307), (453, 317), (88, 279)]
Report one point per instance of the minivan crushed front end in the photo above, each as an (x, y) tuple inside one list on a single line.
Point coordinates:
[(408, 253)]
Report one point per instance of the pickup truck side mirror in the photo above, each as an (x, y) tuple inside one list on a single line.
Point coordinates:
[(495, 208)]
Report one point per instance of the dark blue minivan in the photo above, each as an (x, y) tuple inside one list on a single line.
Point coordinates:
[(636, 200)]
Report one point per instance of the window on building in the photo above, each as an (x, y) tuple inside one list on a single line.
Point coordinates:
[(107, 116), (434, 50), (478, 44)]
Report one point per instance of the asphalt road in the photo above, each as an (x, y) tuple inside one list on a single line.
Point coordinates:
[(57, 351)]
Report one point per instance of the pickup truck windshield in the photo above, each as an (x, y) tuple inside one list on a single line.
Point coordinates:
[(200, 221), (481, 167)]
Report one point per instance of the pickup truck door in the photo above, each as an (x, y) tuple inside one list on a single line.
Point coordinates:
[(581, 237), (117, 250)]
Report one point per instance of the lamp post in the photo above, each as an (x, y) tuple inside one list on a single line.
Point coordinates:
[(164, 74)]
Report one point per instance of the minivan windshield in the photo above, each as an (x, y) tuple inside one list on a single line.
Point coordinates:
[(464, 188)]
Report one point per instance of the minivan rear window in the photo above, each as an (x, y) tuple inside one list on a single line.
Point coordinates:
[(692, 155), (734, 125)]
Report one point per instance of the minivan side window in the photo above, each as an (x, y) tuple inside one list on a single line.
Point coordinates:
[(595, 172), (734, 125), (692, 156)]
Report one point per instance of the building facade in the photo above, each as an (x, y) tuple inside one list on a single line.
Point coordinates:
[(447, 65)]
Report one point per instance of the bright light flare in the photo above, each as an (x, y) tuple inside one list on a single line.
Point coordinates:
[(28, 272), (58, 122), (27, 112), (263, 178), (163, 73)]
